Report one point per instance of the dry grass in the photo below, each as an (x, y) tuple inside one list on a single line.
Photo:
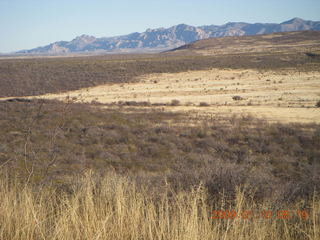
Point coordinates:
[(117, 207), (159, 174), (286, 96)]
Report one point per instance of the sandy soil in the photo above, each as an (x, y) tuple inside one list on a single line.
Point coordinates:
[(286, 96)]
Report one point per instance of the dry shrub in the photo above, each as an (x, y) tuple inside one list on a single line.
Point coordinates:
[(175, 102), (265, 156), (237, 98), (204, 104)]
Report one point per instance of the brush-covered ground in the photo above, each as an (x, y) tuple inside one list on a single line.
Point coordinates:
[(153, 175), (152, 146)]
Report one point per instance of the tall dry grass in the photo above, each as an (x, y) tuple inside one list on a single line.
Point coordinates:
[(117, 207)]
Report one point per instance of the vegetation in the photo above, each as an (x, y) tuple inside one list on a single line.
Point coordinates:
[(175, 102), (35, 76), (237, 98), (204, 104), (46, 142), (126, 207), (131, 170)]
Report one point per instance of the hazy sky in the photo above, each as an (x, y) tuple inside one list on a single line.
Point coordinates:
[(27, 24)]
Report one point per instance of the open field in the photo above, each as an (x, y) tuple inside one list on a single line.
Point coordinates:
[(148, 146), (287, 95)]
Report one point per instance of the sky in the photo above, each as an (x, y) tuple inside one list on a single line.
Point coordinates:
[(26, 24)]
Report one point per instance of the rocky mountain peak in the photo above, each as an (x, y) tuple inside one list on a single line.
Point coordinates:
[(160, 39), (84, 38), (294, 21)]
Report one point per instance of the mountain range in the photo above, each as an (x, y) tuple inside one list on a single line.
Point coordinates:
[(161, 39)]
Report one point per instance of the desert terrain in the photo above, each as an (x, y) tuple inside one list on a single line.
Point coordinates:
[(287, 96), (274, 77), (218, 139)]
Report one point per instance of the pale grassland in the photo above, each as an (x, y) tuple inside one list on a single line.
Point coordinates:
[(285, 96), (118, 208)]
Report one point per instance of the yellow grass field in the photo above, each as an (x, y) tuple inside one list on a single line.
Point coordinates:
[(285, 96), (119, 209)]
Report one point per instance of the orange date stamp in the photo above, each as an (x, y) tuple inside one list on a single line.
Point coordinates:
[(264, 214)]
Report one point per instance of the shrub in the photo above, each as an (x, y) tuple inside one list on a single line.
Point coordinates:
[(318, 104), (131, 103), (204, 104), (64, 139), (175, 102), (237, 98), (311, 54)]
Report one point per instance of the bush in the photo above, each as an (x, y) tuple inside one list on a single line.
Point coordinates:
[(237, 98), (175, 102), (318, 104), (204, 104)]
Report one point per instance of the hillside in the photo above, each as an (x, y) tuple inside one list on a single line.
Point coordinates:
[(161, 39), (288, 42)]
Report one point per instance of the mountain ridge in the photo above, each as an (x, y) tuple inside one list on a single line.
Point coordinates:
[(160, 39)]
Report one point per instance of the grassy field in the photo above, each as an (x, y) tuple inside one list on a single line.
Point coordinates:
[(216, 140), (286, 96), (119, 207)]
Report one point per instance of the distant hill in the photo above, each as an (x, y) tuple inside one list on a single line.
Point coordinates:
[(284, 42), (168, 38)]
